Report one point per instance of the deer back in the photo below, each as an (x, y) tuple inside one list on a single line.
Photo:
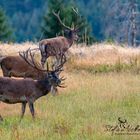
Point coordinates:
[(54, 45), (17, 67)]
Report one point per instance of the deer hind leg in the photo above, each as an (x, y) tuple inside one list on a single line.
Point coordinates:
[(31, 106), (23, 110)]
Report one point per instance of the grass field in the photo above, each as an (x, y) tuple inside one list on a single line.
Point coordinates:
[(82, 110)]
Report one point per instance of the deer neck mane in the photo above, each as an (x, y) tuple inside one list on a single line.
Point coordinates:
[(70, 41), (44, 85)]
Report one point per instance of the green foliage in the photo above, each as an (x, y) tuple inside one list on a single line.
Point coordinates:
[(85, 30), (103, 15), (5, 30), (51, 26)]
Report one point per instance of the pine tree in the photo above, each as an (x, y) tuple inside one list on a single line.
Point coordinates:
[(5, 30), (51, 26)]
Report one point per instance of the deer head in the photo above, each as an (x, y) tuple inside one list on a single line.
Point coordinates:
[(51, 75)]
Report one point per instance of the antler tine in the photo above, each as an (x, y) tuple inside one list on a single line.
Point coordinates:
[(63, 61), (75, 10), (33, 61), (77, 13), (26, 54), (32, 58), (58, 17)]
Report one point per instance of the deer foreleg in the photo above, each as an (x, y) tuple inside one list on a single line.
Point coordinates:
[(23, 109), (31, 106)]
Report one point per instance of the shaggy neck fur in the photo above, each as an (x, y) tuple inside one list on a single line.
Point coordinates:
[(45, 86)]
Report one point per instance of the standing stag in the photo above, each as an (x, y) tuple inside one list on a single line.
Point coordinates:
[(28, 90), (60, 43)]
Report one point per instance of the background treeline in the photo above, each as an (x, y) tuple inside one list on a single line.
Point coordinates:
[(104, 19)]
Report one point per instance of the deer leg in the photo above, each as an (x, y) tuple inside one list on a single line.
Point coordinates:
[(31, 106), (56, 62), (23, 110), (43, 60), (1, 119)]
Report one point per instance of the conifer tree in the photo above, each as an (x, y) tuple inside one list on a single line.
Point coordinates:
[(51, 26), (5, 30)]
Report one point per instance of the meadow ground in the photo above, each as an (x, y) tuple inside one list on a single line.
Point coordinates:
[(91, 101)]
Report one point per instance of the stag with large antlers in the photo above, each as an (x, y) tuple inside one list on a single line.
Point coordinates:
[(60, 43), (28, 90), (16, 66)]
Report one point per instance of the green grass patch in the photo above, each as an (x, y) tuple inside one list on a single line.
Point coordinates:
[(133, 66), (81, 111)]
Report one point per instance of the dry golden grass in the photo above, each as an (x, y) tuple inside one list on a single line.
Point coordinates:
[(96, 54), (88, 58), (104, 54), (13, 49), (80, 111), (89, 102)]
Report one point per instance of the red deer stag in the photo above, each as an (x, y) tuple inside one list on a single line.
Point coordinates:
[(28, 90), (16, 66), (60, 43)]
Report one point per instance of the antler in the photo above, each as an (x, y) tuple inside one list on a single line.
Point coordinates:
[(58, 17), (75, 10), (58, 69), (28, 56), (61, 60)]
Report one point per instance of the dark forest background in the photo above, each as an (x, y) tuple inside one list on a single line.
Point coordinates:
[(107, 19)]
